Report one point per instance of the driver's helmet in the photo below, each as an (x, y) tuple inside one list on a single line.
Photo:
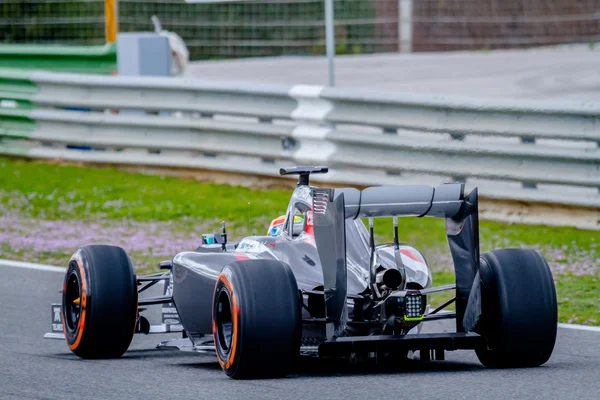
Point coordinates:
[(277, 224)]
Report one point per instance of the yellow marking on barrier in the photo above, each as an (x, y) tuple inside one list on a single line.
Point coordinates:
[(110, 20)]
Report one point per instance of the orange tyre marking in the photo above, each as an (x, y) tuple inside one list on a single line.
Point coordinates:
[(235, 312), (137, 310), (83, 305)]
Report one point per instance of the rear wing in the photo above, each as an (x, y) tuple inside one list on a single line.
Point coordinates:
[(332, 206), (415, 200)]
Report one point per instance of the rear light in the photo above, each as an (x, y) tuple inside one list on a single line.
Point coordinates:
[(413, 307)]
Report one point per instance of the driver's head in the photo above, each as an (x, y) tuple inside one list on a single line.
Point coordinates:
[(277, 224)]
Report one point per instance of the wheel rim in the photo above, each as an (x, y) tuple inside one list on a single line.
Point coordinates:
[(72, 300), (224, 321)]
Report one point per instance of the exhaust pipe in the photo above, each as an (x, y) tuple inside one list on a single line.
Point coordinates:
[(389, 279)]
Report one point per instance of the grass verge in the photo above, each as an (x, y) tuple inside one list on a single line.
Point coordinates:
[(47, 211)]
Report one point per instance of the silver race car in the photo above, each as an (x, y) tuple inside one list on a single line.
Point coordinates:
[(318, 284)]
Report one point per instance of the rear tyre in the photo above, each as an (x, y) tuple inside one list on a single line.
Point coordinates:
[(99, 304), (257, 319), (519, 310)]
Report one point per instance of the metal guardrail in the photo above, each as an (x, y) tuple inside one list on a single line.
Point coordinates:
[(512, 150)]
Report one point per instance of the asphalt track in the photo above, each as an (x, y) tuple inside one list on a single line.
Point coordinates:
[(567, 73), (35, 368)]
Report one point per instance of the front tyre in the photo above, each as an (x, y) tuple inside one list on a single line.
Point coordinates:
[(519, 309), (257, 319), (99, 304)]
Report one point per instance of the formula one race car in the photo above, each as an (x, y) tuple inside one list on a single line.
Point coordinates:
[(319, 285)]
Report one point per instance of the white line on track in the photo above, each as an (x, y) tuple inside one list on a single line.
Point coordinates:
[(51, 268), (580, 327), (39, 267)]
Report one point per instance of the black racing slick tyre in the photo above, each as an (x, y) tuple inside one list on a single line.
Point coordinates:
[(257, 319), (519, 309), (100, 302)]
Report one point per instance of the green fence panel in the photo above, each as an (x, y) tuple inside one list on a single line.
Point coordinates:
[(82, 59)]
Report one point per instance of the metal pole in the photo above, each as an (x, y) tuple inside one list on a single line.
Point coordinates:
[(405, 11), (330, 39)]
